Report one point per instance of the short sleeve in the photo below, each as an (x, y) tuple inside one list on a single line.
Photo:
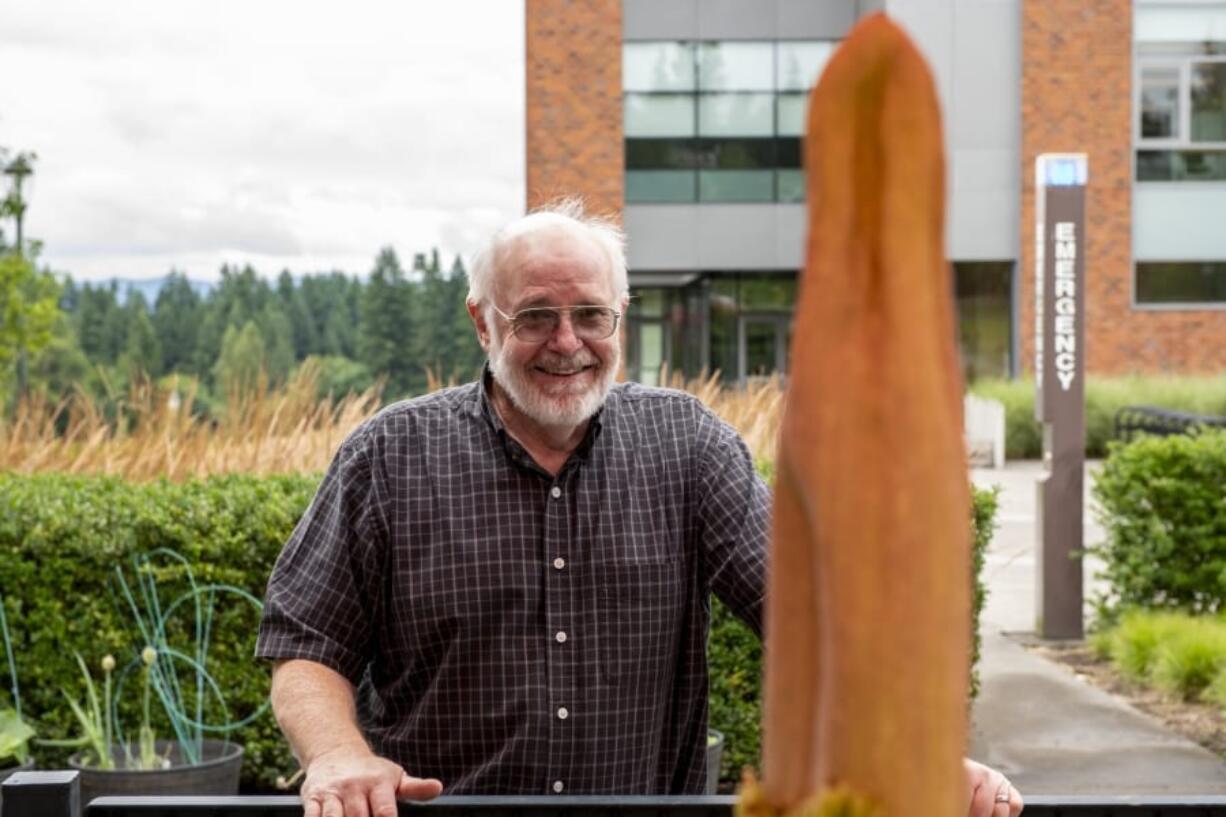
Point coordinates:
[(323, 593), (734, 523)]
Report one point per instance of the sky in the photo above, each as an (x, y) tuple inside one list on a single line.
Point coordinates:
[(295, 135)]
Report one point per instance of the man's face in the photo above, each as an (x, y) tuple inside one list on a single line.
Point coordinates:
[(563, 379)]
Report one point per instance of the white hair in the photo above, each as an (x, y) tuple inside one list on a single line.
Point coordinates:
[(567, 214)]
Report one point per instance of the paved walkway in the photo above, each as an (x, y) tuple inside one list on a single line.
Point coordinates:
[(1051, 732)]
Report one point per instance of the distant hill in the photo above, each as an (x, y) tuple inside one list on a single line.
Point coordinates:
[(150, 287)]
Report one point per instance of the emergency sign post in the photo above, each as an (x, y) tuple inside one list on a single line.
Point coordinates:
[(1060, 186)]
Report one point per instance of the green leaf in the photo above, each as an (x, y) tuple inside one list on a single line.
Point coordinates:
[(14, 734)]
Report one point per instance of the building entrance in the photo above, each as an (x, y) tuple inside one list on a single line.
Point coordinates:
[(763, 344)]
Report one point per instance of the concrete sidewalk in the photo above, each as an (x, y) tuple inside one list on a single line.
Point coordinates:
[(1048, 730)]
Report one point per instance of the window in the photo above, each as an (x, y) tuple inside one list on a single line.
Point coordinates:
[(983, 292), (717, 121), (1181, 282), (1180, 126)]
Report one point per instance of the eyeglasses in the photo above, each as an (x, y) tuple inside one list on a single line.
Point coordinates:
[(538, 324)]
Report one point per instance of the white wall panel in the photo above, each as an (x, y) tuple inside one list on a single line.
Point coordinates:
[(1179, 222)]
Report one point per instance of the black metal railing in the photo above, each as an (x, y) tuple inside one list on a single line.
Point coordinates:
[(57, 794), (1131, 420)]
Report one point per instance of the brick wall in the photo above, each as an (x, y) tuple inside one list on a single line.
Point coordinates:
[(574, 102), (1077, 97)]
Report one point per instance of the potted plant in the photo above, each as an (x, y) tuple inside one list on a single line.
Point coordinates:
[(15, 733), (112, 762)]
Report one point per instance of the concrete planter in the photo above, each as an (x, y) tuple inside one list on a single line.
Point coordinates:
[(7, 771), (216, 774)]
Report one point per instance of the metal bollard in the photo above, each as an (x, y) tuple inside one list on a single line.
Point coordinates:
[(41, 794)]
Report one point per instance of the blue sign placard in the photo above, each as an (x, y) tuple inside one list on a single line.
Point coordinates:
[(1064, 171)]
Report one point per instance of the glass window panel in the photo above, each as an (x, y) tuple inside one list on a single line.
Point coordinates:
[(660, 154), (793, 113), (1181, 165), (736, 115), (722, 324), (648, 303), (761, 348), (1208, 94), (791, 185), (651, 352), (800, 64), (659, 115), (736, 185), (1187, 22), (1181, 282), (657, 186), (984, 294), (736, 154), (658, 66), (744, 66), (768, 292), (1155, 165), (1175, 49), (788, 152), (1160, 102)]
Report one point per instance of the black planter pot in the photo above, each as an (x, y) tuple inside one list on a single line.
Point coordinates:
[(7, 771), (217, 773)]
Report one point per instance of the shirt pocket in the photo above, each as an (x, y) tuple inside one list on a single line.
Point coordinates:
[(642, 610)]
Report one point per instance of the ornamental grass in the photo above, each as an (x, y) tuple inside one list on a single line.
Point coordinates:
[(154, 433)]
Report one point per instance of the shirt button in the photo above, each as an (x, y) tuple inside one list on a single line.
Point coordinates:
[(562, 713), (561, 637), (557, 786), (559, 563), (555, 492)]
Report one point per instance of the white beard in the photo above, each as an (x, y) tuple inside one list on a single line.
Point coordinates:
[(571, 405)]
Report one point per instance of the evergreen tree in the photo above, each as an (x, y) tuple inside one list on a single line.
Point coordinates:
[(433, 342), (242, 359), (293, 303), (467, 356), (385, 340), (142, 353), (238, 299), (278, 337), (176, 321), (98, 324)]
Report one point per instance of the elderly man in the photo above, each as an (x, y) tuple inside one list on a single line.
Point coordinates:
[(510, 579)]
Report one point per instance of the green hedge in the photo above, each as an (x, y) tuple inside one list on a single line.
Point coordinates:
[(735, 655), (1162, 503), (60, 537), (1104, 397)]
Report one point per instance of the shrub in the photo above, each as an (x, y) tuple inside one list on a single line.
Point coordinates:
[(1134, 643), (1104, 397), (1181, 654), (1160, 501), (60, 536), (735, 654), (1187, 662), (1216, 691)]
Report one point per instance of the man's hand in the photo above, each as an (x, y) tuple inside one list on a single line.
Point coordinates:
[(348, 783), (991, 794)]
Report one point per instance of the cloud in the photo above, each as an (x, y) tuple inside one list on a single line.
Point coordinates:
[(184, 133)]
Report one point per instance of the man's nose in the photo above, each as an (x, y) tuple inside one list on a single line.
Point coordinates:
[(564, 338)]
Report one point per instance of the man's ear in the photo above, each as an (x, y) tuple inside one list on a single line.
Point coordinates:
[(478, 318)]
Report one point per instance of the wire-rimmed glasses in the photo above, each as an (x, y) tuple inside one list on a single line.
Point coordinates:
[(538, 323)]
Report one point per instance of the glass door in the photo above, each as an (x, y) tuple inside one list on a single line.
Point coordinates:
[(763, 342)]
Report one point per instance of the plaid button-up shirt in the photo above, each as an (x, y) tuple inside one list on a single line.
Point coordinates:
[(512, 632)]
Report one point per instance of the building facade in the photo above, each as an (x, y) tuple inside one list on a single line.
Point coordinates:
[(684, 118)]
